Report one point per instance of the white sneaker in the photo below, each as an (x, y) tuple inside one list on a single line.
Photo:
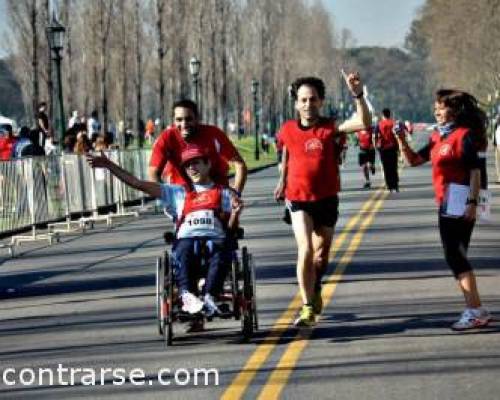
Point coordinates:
[(191, 303), (210, 306), (472, 318)]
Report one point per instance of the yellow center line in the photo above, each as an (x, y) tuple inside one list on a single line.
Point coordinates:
[(240, 383), (279, 377)]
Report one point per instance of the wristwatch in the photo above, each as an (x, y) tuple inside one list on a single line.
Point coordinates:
[(471, 201)]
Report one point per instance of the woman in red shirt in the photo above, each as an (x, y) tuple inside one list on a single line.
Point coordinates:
[(455, 149)]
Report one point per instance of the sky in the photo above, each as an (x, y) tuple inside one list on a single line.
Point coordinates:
[(375, 22), (3, 29), (372, 22)]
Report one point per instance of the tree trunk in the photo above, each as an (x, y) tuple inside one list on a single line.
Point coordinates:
[(124, 64), (34, 57), (69, 52), (50, 82), (161, 54), (213, 55), (223, 97), (138, 81)]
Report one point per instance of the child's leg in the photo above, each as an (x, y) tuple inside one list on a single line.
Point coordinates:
[(218, 262), (184, 254)]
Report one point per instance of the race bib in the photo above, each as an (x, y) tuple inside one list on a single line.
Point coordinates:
[(203, 219)]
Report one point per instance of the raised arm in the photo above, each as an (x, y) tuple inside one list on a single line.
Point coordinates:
[(363, 118), (412, 157), (151, 188)]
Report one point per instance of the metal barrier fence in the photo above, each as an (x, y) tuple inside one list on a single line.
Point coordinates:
[(41, 190)]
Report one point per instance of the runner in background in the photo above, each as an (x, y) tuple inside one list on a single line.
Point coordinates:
[(366, 155), (388, 150)]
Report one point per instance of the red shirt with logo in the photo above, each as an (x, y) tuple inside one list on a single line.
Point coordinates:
[(365, 139), (386, 137), (313, 172), (167, 149), (210, 199), (452, 158)]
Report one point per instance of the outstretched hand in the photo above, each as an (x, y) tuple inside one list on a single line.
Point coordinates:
[(100, 161), (353, 81)]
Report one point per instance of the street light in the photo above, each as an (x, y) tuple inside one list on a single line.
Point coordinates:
[(55, 36), (194, 69), (255, 89)]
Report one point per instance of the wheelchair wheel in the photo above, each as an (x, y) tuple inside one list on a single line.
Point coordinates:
[(160, 280), (254, 294), (168, 303), (235, 271), (247, 321)]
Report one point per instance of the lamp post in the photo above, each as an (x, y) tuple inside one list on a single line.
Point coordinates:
[(55, 36), (255, 90), (194, 69)]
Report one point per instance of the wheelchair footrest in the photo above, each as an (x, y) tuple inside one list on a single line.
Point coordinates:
[(183, 316)]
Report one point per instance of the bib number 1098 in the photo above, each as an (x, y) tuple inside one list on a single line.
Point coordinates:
[(201, 219)]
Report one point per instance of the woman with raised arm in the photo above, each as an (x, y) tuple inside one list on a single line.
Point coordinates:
[(456, 151)]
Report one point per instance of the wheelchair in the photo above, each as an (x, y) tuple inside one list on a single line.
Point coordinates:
[(237, 300)]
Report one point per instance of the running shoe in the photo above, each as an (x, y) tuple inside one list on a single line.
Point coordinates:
[(472, 318), (306, 317), (367, 185), (317, 302), (209, 306), (190, 303)]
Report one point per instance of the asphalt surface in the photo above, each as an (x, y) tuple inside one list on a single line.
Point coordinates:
[(88, 303)]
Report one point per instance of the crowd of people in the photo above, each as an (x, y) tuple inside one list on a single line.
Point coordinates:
[(82, 135)]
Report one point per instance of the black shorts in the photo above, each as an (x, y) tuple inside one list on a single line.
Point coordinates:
[(366, 156), (323, 212)]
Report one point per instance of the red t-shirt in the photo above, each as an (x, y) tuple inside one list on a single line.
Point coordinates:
[(313, 172), (387, 140), (365, 139), (6, 144), (167, 149), (448, 161)]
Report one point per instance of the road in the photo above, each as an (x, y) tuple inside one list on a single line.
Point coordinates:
[(88, 303)]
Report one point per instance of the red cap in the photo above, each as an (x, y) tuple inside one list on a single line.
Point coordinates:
[(191, 152)]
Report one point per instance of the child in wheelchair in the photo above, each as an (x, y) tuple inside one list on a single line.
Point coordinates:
[(204, 215)]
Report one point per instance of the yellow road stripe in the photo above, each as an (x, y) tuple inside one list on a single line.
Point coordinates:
[(279, 377), (240, 383)]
